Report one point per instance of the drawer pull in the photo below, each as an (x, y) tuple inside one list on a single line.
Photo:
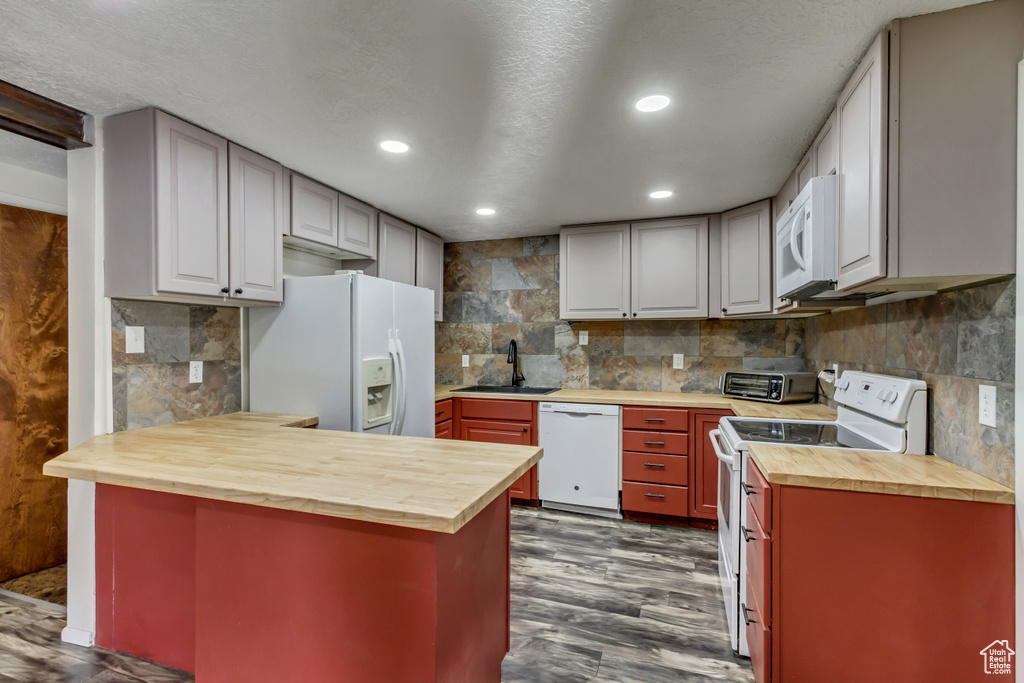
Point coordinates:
[(653, 464), (748, 489), (655, 495), (654, 419), (654, 443), (440, 412), (751, 537), (747, 619)]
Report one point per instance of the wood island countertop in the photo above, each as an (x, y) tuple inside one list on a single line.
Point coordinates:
[(925, 476), (268, 460)]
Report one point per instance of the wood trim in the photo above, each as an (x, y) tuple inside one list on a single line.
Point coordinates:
[(40, 118)]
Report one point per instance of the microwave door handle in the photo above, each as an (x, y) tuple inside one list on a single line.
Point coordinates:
[(793, 233), (719, 453)]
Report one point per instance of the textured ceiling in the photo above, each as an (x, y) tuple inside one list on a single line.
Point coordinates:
[(35, 156), (525, 106)]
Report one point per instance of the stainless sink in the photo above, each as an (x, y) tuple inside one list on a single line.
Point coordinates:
[(483, 388)]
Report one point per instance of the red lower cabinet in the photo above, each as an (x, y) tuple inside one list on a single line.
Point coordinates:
[(704, 465), (655, 464), (851, 586), (501, 421)]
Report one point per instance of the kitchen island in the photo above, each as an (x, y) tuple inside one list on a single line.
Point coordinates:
[(246, 548)]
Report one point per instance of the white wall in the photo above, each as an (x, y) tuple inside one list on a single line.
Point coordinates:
[(89, 409), (33, 190)]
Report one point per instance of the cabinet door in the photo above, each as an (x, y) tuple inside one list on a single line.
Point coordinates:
[(787, 193), (823, 149), (396, 250), (256, 219), (594, 263), (430, 266), (192, 209), (861, 166), (747, 260), (704, 467), (357, 227), (314, 211), (518, 433), (443, 430), (669, 273), (804, 171), (525, 487)]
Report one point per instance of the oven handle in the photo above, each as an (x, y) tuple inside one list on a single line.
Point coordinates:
[(721, 454)]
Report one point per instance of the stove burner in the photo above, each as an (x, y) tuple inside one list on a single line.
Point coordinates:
[(801, 433)]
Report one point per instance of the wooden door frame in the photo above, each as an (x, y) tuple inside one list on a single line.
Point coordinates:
[(25, 113)]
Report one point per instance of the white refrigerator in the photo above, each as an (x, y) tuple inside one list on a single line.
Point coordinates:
[(308, 355)]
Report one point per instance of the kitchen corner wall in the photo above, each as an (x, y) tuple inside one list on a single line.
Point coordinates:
[(499, 290), (955, 342), (152, 388)]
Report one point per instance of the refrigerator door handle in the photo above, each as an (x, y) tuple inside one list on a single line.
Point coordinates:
[(405, 391), (396, 364)]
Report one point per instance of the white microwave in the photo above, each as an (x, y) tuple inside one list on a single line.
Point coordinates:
[(805, 242)]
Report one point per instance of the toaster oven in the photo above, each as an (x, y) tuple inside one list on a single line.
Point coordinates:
[(774, 387)]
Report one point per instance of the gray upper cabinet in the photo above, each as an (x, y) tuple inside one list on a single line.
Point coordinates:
[(823, 149), (430, 267), (669, 269), (165, 208), (396, 250), (861, 168), (256, 220), (357, 227), (314, 214), (747, 260), (595, 267)]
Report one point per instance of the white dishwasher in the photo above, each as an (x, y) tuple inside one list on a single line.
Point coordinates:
[(581, 470)]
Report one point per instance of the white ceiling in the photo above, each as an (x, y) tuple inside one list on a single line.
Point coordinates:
[(20, 151), (525, 106)]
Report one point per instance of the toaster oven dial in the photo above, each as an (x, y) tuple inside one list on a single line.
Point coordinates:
[(775, 388)]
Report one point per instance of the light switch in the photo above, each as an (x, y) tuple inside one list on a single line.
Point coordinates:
[(987, 405), (134, 339), (677, 361), (195, 372), (584, 337), (465, 360)]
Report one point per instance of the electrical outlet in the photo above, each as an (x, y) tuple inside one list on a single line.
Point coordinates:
[(195, 372), (134, 339), (465, 360), (987, 405), (584, 337), (677, 361)]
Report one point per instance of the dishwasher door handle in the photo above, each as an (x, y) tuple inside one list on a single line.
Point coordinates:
[(577, 415)]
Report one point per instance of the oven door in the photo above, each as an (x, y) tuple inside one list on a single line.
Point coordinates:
[(728, 499)]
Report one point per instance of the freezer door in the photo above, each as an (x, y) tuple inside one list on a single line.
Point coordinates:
[(414, 325), (299, 354), (372, 322)]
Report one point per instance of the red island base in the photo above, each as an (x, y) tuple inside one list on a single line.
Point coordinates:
[(236, 592)]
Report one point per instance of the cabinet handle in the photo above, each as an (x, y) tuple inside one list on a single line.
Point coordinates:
[(655, 495), (526, 429), (654, 443), (724, 310), (623, 315), (748, 489), (744, 530), (653, 464), (654, 419), (440, 412), (747, 619), (238, 290), (634, 315), (225, 290)]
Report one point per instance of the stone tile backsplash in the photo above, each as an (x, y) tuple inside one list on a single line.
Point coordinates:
[(954, 341), (152, 388), (499, 290)]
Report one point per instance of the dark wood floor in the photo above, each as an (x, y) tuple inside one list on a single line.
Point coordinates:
[(592, 600)]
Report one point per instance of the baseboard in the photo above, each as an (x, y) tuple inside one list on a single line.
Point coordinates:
[(78, 636)]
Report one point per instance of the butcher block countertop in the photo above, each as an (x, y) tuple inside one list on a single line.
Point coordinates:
[(926, 476), (268, 460)]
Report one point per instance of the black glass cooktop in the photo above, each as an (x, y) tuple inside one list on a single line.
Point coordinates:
[(805, 434)]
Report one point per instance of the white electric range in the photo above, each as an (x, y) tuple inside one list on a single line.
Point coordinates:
[(875, 413)]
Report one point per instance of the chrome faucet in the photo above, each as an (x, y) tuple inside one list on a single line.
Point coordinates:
[(513, 358)]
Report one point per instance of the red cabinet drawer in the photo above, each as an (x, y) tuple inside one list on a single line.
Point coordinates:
[(759, 567), (662, 419), (759, 495), (759, 640), (497, 409), (655, 468), (654, 442), (443, 430), (655, 499), (443, 410)]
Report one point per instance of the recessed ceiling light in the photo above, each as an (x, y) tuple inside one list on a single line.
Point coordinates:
[(485, 211), (661, 194), (653, 103), (394, 146)]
